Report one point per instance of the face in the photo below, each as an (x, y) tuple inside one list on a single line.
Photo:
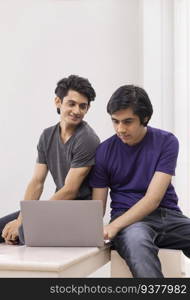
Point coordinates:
[(128, 127), (73, 107)]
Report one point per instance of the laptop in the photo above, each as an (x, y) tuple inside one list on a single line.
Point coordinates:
[(64, 223)]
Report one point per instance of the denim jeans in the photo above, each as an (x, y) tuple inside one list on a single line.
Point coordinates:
[(5, 220), (139, 243)]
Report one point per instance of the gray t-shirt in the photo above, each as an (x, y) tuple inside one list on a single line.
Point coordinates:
[(78, 151)]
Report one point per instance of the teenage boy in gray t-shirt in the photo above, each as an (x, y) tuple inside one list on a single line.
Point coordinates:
[(66, 150)]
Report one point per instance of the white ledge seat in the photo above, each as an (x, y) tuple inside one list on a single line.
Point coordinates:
[(171, 262), (22, 261)]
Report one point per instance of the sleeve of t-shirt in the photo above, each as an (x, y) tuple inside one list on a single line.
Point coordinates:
[(168, 158), (41, 157), (99, 177), (84, 151)]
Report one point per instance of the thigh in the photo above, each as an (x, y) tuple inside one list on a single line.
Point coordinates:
[(136, 245), (177, 231), (134, 238)]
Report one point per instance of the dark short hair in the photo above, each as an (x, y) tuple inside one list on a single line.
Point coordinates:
[(134, 97), (75, 83)]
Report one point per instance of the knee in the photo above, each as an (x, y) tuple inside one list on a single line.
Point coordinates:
[(134, 239)]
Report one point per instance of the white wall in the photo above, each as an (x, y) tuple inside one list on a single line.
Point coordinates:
[(182, 97), (165, 73), (43, 41), (157, 59)]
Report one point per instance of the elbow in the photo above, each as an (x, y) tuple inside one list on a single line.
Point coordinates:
[(72, 194), (153, 203), (69, 193), (156, 204)]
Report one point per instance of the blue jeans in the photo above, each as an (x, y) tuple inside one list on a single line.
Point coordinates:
[(139, 243), (7, 219)]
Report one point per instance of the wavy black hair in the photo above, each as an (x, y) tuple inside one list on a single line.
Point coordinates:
[(134, 97), (75, 83)]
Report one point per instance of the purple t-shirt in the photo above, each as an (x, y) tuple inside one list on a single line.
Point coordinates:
[(128, 170)]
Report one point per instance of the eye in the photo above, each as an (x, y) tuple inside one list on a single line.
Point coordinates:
[(83, 106), (71, 104), (115, 121), (127, 121)]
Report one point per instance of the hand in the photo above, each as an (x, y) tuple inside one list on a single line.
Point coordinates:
[(10, 232), (110, 231)]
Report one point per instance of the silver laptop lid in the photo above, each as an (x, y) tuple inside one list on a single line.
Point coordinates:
[(66, 223)]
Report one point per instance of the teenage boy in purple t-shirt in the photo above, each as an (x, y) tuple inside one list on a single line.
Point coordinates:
[(137, 165)]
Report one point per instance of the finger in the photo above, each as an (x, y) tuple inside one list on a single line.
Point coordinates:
[(11, 242), (5, 230), (14, 237), (15, 242), (4, 233), (9, 236), (8, 242)]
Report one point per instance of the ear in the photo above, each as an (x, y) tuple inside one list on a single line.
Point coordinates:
[(146, 119), (58, 102)]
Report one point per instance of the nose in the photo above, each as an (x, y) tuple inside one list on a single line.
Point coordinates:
[(121, 128), (76, 110)]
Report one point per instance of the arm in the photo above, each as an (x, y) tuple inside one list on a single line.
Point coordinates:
[(36, 185), (143, 207), (72, 184), (100, 194), (33, 192)]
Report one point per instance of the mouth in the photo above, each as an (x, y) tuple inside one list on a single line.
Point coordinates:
[(124, 137), (74, 118)]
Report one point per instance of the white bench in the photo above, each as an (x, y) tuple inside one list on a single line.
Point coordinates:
[(22, 261), (171, 262)]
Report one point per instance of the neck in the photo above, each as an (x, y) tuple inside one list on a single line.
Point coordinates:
[(140, 137), (143, 133), (66, 131)]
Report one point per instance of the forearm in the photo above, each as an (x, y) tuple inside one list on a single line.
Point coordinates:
[(100, 194), (64, 194), (33, 192), (136, 213), (154, 195)]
